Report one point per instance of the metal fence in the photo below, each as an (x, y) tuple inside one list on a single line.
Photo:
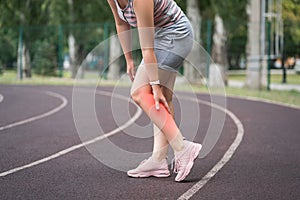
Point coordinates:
[(45, 49)]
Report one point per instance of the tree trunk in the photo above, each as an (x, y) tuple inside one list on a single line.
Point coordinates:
[(72, 43), (254, 48), (114, 55), (194, 58), (26, 63), (217, 74), (20, 61), (72, 52), (23, 62)]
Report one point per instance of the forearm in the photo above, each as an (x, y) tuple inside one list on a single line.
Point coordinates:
[(145, 22), (123, 30), (125, 38), (150, 64)]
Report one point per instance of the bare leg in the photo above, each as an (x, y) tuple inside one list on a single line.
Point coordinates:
[(142, 94), (166, 131), (160, 146)]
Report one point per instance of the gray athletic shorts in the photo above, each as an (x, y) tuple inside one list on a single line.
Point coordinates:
[(172, 44)]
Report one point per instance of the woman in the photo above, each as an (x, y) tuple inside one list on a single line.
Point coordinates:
[(166, 38)]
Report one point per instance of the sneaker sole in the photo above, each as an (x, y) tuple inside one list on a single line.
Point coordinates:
[(193, 155), (158, 173)]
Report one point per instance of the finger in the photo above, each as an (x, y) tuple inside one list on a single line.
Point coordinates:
[(133, 73), (157, 104), (167, 106), (130, 75)]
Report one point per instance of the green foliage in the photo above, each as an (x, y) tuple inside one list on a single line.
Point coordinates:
[(206, 9), (40, 19), (234, 16), (181, 4), (45, 60), (1, 69), (8, 50), (291, 18)]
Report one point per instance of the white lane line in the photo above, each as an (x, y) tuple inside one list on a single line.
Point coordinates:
[(1, 98), (46, 114), (226, 157), (75, 147)]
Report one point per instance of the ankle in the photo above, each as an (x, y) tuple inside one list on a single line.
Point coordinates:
[(185, 144), (158, 157), (177, 145)]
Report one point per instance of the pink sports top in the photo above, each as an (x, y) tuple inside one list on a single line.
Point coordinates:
[(166, 13)]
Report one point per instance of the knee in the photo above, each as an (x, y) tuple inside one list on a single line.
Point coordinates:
[(137, 97), (142, 96)]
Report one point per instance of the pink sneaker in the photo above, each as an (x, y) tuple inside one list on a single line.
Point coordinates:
[(149, 168), (184, 160)]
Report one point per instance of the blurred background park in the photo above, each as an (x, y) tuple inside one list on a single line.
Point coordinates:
[(254, 44)]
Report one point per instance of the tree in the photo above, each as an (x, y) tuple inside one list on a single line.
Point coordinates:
[(193, 13), (219, 55), (114, 54), (228, 43), (291, 18), (234, 17), (8, 50), (254, 67), (39, 17), (22, 14), (14, 12)]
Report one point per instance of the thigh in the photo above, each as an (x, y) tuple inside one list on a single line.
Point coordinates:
[(141, 80), (166, 78)]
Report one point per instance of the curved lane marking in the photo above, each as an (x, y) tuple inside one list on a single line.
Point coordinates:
[(226, 157), (78, 146), (195, 188), (46, 114)]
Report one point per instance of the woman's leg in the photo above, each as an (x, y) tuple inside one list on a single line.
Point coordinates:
[(141, 93), (157, 164), (185, 152), (160, 146)]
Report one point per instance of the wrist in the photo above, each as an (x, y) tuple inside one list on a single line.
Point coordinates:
[(154, 83), (155, 89), (129, 62)]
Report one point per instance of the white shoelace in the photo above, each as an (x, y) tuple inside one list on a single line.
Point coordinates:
[(175, 165)]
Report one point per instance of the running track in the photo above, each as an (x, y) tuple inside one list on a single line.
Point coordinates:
[(42, 156)]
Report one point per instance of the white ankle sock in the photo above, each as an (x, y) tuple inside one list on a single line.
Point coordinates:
[(177, 143), (160, 147)]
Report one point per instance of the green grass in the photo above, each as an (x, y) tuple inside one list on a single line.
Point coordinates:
[(291, 98), (291, 79), (10, 77), (286, 97), (275, 78)]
